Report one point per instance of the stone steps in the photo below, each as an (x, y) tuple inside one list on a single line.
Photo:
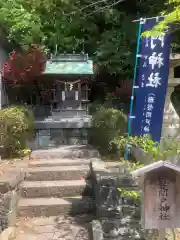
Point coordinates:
[(61, 162), (66, 151), (46, 207), (43, 189), (55, 182), (57, 173)]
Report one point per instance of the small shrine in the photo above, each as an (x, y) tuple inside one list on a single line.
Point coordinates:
[(160, 194), (70, 94), (68, 121)]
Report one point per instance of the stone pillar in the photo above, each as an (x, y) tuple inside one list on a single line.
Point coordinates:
[(171, 121)]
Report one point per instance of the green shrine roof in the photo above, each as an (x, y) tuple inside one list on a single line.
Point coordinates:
[(69, 64)]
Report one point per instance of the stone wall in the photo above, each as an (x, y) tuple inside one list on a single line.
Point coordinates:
[(9, 196), (118, 217), (57, 136)]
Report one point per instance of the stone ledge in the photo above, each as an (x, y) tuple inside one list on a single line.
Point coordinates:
[(8, 234), (105, 184), (9, 194), (64, 125), (11, 180), (121, 179), (108, 229), (97, 230), (118, 216)]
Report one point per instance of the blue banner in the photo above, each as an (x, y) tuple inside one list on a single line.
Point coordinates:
[(152, 80)]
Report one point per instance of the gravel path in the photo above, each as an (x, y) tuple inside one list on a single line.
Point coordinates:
[(53, 228)]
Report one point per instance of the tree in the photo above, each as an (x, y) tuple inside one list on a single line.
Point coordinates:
[(170, 23), (21, 68), (59, 26)]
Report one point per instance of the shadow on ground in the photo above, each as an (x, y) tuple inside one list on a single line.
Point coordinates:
[(84, 220)]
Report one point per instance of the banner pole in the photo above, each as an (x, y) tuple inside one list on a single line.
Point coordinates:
[(160, 16), (134, 81)]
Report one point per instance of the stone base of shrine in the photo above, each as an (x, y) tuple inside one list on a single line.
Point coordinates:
[(64, 122), (68, 131)]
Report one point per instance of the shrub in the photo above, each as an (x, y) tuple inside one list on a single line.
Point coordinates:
[(107, 123), (146, 143), (17, 126), (94, 107), (169, 147)]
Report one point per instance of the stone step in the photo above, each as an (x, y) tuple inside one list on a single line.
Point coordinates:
[(66, 151), (46, 207), (61, 162), (39, 189), (57, 173)]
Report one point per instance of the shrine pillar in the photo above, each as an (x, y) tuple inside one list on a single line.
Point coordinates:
[(171, 120)]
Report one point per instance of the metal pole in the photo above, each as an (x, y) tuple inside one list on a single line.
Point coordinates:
[(132, 95), (157, 17)]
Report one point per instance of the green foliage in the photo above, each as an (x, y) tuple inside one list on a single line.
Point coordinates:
[(131, 166), (154, 150), (170, 148), (94, 107), (130, 194), (17, 126), (107, 123), (171, 19), (108, 36), (21, 22)]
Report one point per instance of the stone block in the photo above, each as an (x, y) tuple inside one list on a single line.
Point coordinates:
[(108, 229), (118, 216), (11, 180), (141, 156), (9, 195), (8, 233), (97, 230), (134, 212), (113, 229), (108, 200), (8, 209), (105, 184)]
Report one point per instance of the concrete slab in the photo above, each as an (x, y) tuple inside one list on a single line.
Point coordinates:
[(34, 207), (66, 151), (55, 228), (61, 162), (57, 173), (52, 188)]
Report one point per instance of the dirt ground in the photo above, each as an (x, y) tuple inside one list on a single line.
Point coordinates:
[(55, 228)]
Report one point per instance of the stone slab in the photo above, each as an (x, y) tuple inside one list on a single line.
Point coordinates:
[(8, 234), (66, 123), (67, 151), (106, 183), (55, 228), (97, 230), (34, 207), (57, 173), (108, 229), (61, 162), (52, 188), (11, 179)]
